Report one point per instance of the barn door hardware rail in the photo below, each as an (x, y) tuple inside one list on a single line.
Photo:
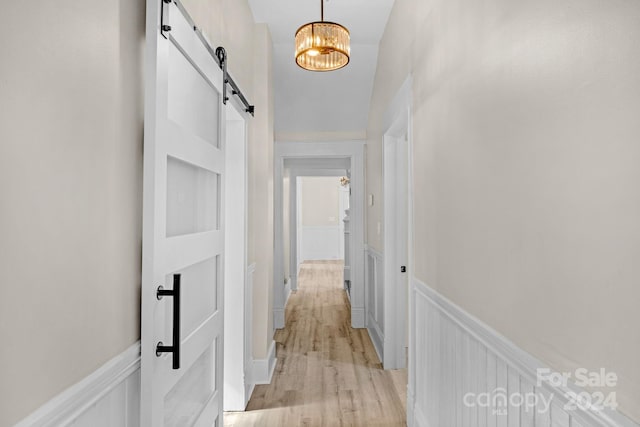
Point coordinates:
[(220, 55)]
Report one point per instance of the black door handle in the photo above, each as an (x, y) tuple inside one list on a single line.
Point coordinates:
[(175, 348)]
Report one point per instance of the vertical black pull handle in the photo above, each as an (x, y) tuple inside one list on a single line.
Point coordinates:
[(175, 348)]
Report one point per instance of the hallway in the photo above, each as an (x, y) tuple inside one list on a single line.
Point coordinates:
[(328, 374)]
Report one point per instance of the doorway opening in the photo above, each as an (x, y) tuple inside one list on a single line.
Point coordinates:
[(322, 204), (322, 233)]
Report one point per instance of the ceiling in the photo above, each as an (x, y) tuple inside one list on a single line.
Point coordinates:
[(336, 101)]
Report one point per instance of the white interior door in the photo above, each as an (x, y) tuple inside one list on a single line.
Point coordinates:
[(183, 239)]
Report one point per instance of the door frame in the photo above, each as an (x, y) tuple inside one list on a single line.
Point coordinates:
[(398, 314), (238, 355), (354, 150)]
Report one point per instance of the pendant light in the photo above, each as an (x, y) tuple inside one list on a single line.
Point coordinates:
[(322, 45)]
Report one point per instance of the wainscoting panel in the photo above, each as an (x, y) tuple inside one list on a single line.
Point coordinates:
[(374, 297), (108, 397), (466, 374), (321, 243)]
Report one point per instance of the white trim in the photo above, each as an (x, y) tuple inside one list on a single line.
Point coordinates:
[(376, 253), (376, 335), (278, 317), (398, 229), (278, 312), (411, 410), (516, 359), (400, 102), (372, 284), (357, 316), (235, 261), (419, 418), (248, 337), (263, 368), (287, 291), (81, 397)]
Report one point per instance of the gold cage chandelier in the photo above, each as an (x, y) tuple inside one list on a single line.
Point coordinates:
[(322, 45)]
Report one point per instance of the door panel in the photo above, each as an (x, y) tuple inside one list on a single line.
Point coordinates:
[(192, 198), (190, 395), (182, 225), (193, 102)]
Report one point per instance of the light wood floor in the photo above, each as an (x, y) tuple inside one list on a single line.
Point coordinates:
[(328, 374)]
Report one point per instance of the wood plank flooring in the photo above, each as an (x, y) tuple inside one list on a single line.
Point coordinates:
[(328, 374)]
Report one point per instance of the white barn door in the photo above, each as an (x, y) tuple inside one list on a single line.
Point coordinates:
[(183, 241)]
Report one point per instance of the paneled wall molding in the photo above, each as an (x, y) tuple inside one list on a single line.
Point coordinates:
[(373, 251), (320, 242), (455, 354), (112, 390), (374, 297), (263, 368)]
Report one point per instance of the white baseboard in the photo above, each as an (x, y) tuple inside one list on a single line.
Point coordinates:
[(77, 405), (410, 408), (377, 337), (357, 317), (248, 334), (418, 419), (278, 318), (263, 368), (287, 291), (455, 353), (278, 313)]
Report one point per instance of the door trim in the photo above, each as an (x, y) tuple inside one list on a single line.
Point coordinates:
[(397, 123)]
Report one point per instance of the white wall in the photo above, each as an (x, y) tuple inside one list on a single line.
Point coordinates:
[(526, 130), (261, 208), (70, 209), (71, 173), (469, 375), (230, 23), (320, 232)]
